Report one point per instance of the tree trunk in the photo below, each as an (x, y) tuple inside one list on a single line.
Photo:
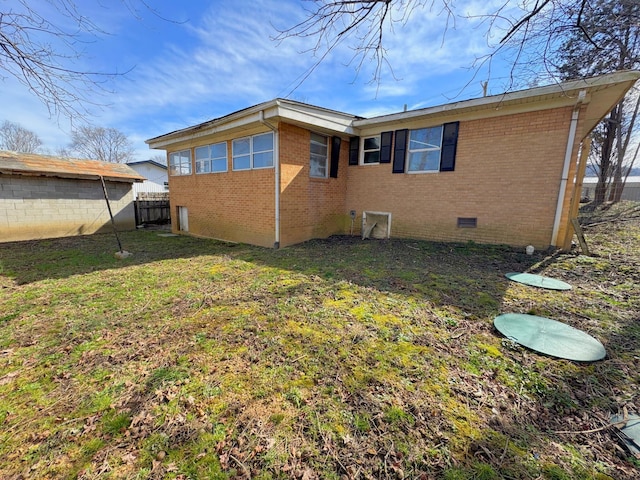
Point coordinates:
[(606, 162)]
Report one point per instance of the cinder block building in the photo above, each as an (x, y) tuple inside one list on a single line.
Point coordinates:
[(42, 196), (503, 169)]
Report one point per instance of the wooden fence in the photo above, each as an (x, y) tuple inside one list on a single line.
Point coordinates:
[(152, 207)]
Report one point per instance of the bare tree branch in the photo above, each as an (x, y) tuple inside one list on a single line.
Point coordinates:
[(43, 53)]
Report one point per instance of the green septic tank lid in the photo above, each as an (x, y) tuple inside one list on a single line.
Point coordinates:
[(550, 337), (538, 281)]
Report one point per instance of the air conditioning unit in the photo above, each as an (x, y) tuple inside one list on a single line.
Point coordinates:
[(376, 224)]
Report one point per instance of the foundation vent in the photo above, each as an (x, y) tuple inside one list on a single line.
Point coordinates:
[(376, 224), (467, 222)]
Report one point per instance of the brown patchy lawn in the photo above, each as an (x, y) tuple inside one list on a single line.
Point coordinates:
[(332, 359)]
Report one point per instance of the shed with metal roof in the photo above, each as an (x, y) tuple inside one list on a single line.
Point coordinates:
[(43, 196)]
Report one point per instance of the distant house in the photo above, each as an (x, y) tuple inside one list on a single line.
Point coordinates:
[(631, 188), (155, 174), (499, 169), (44, 196)]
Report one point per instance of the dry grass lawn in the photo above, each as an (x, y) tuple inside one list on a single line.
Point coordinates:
[(334, 359)]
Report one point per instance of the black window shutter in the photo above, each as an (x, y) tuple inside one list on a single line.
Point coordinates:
[(449, 144), (335, 157), (386, 138), (354, 150), (400, 151)]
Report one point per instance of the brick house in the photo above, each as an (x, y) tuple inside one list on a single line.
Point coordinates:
[(502, 169), (42, 196)]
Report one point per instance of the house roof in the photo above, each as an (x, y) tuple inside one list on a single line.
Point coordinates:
[(599, 95), (150, 162), (322, 119), (13, 163)]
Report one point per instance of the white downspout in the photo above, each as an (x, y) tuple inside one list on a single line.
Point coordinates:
[(567, 164), (276, 161)]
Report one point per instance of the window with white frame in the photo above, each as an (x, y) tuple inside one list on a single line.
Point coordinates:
[(211, 158), (253, 152), (180, 163), (371, 150), (424, 149), (319, 154)]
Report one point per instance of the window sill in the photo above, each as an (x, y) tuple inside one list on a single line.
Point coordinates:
[(319, 179)]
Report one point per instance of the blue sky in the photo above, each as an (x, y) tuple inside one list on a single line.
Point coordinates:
[(205, 59)]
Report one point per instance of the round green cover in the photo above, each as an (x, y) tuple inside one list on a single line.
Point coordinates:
[(538, 281), (550, 337)]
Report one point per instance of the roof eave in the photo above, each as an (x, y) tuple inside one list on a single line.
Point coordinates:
[(274, 110), (559, 93)]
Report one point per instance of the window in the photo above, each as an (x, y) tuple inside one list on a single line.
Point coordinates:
[(371, 150), (211, 158), (180, 163), (318, 156), (424, 149), (253, 152), (262, 150), (430, 149)]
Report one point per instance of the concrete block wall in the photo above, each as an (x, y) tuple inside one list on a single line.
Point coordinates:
[(45, 207), (309, 207), (507, 175)]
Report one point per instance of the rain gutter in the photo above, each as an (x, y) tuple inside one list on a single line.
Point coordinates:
[(567, 164)]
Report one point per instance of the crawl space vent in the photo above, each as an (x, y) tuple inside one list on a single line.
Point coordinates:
[(467, 222), (376, 225)]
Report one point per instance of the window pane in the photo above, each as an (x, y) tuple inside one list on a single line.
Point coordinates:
[(241, 146), (263, 142), (372, 157), (184, 160), (372, 143), (219, 165), (426, 160), (219, 150), (261, 160), (319, 149), (425, 138), (242, 162), (318, 167), (202, 153)]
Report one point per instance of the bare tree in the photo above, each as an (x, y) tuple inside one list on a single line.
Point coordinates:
[(18, 139), (609, 40), (99, 143), (42, 53), (530, 29)]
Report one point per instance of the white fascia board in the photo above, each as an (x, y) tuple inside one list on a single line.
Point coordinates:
[(235, 120), (315, 117)]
